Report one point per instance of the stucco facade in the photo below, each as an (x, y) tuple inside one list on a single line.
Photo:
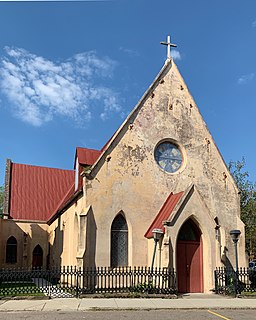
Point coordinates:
[(28, 234), (127, 181)]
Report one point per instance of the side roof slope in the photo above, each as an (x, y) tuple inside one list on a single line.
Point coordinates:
[(36, 191)]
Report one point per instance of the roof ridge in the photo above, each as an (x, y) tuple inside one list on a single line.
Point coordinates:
[(42, 167), (88, 148)]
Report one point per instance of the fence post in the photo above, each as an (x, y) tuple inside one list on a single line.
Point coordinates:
[(215, 281), (48, 281), (77, 281)]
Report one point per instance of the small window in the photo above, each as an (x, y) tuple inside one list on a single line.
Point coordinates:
[(119, 242), (11, 250)]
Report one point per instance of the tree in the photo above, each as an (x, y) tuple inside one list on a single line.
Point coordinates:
[(248, 204), (1, 200)]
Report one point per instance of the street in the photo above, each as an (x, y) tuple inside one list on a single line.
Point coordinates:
[(226, 314)]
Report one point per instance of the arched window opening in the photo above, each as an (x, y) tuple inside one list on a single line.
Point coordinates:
[(37, 260), (11, 250), (189, 232), (119, 242)]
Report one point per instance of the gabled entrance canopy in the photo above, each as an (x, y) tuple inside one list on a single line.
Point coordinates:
[(164, 213)]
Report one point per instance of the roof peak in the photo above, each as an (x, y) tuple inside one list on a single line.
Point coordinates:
[(129, 120), (169, 45)]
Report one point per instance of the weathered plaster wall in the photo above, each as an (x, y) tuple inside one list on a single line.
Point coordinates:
[(28, 236), (64, 235), (130, 180)]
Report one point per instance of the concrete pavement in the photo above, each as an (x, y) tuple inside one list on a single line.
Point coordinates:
[(201, 301)]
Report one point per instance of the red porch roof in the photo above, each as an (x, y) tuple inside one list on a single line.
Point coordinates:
[(164, 213), (36, 191)]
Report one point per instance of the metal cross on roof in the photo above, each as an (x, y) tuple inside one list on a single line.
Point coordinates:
[(169, 45)]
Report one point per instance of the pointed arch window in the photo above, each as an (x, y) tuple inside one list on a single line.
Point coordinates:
[(119, 242), (11, 250)]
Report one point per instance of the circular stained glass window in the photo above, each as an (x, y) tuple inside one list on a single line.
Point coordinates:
[(168, 156)]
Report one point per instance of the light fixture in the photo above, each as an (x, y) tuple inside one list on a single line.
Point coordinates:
[(157, 235), (235, 236)]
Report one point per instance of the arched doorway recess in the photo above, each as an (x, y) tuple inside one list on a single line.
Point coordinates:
[(189, 257), (37, 260)]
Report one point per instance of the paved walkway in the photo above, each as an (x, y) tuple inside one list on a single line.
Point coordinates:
[(202, 301), (49, 289)]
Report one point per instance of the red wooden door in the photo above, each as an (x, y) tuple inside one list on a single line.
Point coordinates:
[(189, 266)]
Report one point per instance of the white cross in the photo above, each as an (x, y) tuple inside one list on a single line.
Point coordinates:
[(169, 45)]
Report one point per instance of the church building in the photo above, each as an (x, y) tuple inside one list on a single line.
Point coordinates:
[(160, 170)]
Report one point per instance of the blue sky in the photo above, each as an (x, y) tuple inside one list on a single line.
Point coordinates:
[(70, 72)]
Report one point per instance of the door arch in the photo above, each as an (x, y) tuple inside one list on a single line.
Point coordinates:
[(189, 257), (37, 260)]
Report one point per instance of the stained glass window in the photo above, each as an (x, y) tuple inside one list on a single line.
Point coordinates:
[(119, 242), (168, 156)]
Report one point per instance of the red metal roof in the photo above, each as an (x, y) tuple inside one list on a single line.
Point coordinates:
[(164, 213), (68, 195), (87, 156), (36, 191)]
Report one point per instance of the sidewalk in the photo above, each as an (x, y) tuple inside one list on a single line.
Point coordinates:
[(87, 304)]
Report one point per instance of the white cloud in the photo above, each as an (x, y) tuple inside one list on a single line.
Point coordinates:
[(245, 78), (254, 24), (130, 52), (39, 89), (176, 54)]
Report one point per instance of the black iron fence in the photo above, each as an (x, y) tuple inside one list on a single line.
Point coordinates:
[(75, 282), (228, 281)]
